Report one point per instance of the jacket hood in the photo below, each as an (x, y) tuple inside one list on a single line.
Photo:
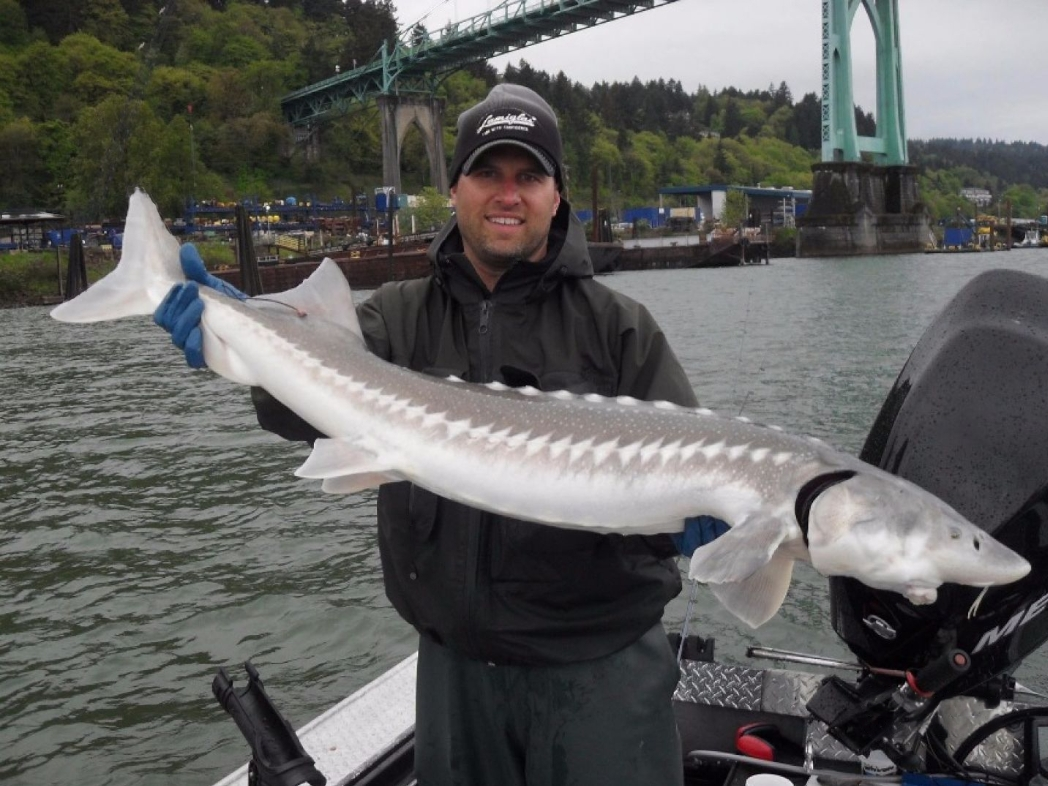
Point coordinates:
[(567, 255)]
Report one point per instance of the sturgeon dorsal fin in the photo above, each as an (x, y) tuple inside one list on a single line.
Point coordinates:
[(325, 294)]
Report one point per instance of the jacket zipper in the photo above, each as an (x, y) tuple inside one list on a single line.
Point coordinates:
[(476, 531), (484, 328)]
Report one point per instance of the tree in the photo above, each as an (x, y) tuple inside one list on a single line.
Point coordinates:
[(56, 18), (321, 10), (95, 70), (732, 122), (14, 27), (25, 174), (807, 117), (99, 176), (721, 164), (1024, 200), (782, 96), (171, 91), (865, 124), (107, 21), (372, 23), (734, 208), (432, 209), (40, 81)]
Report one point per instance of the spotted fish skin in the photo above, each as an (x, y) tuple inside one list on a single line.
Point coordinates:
[(613, 465)]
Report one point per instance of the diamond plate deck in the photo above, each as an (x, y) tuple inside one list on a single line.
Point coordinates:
[(787, 692), (349, 737), (717, 685), (1002, 753)]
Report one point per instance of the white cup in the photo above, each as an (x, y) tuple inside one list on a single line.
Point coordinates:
[(768, 779)]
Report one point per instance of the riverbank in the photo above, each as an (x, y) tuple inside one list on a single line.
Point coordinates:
[(35, 278)]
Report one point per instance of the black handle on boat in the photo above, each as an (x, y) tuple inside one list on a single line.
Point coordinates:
[(277, 755), (939, 673)]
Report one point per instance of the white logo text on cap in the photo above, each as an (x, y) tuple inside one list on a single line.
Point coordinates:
[(518, 122)]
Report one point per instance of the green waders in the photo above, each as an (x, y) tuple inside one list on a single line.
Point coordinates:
[(598, 723)]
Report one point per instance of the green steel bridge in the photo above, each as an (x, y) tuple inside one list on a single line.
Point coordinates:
[(402, 77), (415, 62)]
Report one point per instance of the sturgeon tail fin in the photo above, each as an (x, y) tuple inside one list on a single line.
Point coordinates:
[(147, 270)]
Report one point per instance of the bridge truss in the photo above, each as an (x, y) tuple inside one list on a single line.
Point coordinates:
[(415, 62)]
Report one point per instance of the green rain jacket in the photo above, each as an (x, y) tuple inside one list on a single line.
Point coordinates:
[(487, 586)]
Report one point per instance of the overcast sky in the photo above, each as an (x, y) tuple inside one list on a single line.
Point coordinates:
[(971, 68)]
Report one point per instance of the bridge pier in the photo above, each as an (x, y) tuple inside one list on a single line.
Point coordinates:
[(397, 115), (307, 138), (864, 194), (859, 209)]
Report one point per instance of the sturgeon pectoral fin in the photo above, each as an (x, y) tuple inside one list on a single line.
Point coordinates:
[(756, 599), (346, 466), (739, 553)]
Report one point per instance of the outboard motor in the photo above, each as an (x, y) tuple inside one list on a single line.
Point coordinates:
[(967, 419)]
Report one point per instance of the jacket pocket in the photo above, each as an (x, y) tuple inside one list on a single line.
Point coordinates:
[(422, 513), (407, 515), (523, 551)]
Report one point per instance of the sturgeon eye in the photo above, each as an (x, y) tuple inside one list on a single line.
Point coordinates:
[(955, 533)]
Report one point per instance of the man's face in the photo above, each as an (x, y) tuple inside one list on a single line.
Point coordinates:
[(504, 207)]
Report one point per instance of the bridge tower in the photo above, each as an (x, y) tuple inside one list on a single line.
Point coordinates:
[(840, 140), (398, 113), (865, 198)]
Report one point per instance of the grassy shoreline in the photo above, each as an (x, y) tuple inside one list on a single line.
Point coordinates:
[(37, 278)]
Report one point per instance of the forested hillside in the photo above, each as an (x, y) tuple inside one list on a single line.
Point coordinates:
[(182, 98)]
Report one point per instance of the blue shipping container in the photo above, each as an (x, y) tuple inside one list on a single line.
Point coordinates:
[(957, 236)]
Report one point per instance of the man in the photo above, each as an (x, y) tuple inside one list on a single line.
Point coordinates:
[(542, 659)]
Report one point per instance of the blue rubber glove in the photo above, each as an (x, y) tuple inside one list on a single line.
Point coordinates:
[(698, 531), (194, 270), (179, 313)]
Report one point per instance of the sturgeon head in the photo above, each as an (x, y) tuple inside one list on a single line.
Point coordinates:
[(892, 535)]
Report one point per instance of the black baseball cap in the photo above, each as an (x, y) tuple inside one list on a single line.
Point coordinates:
[(510, 115)]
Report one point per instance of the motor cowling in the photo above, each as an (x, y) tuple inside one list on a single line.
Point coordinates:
[(967, 419)]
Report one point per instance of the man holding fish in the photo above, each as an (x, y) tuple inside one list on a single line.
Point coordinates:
[(542, 658)]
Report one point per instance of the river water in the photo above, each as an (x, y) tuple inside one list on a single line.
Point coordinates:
[(150, 532)]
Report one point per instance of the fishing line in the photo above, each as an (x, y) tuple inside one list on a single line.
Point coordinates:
[(406, 29), (741, 346), (298, 312), (742, 407), (687, 619)]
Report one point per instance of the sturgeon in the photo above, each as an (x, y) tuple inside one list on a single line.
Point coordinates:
[(611, 465)]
